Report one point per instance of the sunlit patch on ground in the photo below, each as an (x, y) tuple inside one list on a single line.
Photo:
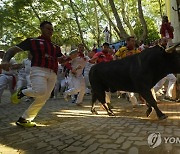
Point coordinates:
[(37, 124), (4, 149)]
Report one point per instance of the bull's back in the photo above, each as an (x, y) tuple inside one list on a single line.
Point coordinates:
[(114, 75)]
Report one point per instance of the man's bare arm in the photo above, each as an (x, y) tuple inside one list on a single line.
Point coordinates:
[(10, 53)]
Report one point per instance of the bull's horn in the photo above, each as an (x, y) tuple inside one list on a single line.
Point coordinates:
[(178, 49), (171, 49)]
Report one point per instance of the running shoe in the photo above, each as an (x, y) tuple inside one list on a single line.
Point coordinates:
[(16, 97), (25, 123)]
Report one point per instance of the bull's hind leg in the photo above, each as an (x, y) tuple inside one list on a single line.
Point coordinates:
[(151, 101), (94, 99)]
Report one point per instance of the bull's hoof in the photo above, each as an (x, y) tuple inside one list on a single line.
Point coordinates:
[(111, 114), (94, 112), (163, 117), (148, 112)]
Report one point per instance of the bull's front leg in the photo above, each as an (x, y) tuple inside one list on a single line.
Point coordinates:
[(109, 111), (149, 110), (151, 101), (93, 110)]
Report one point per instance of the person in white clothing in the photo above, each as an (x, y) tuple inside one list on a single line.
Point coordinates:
[(87, 69), (8, 78), (171, 82), (106, 35), (60, 81), (24, 73), (78, 63)]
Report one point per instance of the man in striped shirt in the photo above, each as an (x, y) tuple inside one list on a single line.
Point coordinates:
[(43, 71)]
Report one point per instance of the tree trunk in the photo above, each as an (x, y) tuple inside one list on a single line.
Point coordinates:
[(97, 24), (118, 20), (78, 24), (160, 7), (126, 20), (143, 22), (107, 16)]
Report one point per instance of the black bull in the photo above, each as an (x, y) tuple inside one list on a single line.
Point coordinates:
[(137, 73)]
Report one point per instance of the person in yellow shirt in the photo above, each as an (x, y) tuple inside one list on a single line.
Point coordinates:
[(129, 49)]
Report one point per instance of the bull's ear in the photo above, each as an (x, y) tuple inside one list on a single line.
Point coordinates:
[(173, 48)]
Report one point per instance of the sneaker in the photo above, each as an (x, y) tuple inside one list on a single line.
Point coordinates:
[(16, 97), (178, 100), (25, 123), (169, 99)]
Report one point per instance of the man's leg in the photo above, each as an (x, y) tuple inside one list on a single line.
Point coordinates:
[(82, 90), (73, 88), (42, 86), (132, 99), (172, 80), (3, 84), (159, 84)]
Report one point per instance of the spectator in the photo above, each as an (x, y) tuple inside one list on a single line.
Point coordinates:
[(167, 30)]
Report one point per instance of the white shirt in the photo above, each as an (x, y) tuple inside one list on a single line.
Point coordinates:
[(27, 65), (79, 62)]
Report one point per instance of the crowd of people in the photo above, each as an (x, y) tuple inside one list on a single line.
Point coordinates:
[(48, 73)]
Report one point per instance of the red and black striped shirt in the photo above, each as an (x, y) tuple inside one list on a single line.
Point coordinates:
[(44, 52)]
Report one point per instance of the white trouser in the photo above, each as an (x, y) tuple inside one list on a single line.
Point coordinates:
[(23, 80), (43, 81), (172, 80), (60, 83), (5, 80), (56, 88), (86, 77), (132, 98), (28, 81), (77, 86)]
